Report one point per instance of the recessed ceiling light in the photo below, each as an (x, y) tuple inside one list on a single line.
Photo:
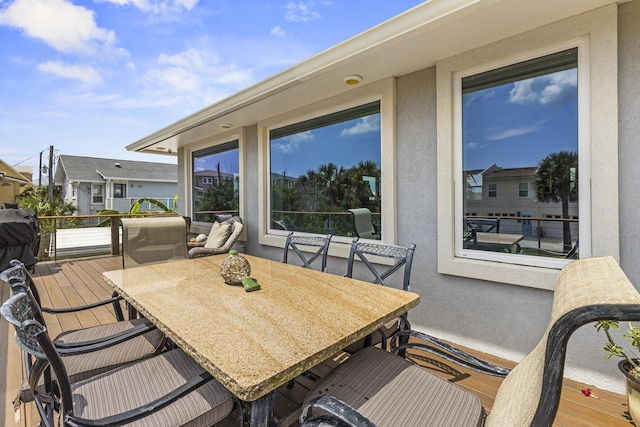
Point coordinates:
[(226, 125), (353, 79)]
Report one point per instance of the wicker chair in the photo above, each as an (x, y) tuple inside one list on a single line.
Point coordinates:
[(236, 229), (153, 239), (294, 242), (169, 389), (402, 393), (90, 351)]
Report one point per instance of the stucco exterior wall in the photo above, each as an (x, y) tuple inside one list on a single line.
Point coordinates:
[(501, 319), (629, 136)]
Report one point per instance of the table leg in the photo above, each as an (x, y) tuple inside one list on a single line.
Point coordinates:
[(259, 413)]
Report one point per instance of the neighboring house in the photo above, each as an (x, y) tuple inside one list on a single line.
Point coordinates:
[(91, 184), (510, 193), (12, 181), (409, 82)]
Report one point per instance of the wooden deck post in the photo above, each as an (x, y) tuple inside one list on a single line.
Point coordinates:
[(115, 235)]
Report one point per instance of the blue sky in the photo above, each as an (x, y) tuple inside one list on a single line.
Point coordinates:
[(517, 124), (90, 77)]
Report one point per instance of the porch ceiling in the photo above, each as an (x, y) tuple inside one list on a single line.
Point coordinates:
[(409, 42)]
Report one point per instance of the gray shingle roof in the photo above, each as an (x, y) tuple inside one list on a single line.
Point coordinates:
[(92, 169)]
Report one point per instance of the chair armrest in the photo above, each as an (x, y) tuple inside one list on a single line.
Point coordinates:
[(202, 251), (89, 346), (196, 244), (143, 411), (446, 351), (333, 412), (80, 307)]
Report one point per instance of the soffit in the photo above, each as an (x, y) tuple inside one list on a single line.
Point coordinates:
[(409, 42)]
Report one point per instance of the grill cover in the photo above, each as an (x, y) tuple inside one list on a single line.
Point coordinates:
[(19, 237)]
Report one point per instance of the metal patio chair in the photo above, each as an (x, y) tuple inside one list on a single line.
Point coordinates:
[(363, 224), (485, 225), (169, 389), (89, 351), (295, 243), (362, 258), (402, 393)]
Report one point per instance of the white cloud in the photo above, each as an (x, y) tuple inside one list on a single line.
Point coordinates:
[(158, 7), (301, 12), (199, 75), (291, 143), (509, 133), (61, 24), (277, 31), (83, 73), (545, 89), (364, 125), (473, 145)]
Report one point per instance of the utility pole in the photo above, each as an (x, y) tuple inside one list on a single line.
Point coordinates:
[(51, 174), (40, 170)]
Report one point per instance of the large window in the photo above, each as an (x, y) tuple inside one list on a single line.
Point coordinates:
[(520, 123), (321, 168), (216, 181), (591, 38)]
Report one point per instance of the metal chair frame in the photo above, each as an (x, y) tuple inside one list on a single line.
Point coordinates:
[(21, 310), (295, 241)]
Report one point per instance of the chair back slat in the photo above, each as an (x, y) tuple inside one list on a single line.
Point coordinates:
[(296, 242), (483, 224), (402, 256)]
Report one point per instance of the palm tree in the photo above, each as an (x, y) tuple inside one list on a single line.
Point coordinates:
[(556, 180)]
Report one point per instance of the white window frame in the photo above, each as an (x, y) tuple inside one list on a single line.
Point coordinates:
[(492, 187), (189, 177), (383, 91), (527, 190), (94, 185), (595, 35)]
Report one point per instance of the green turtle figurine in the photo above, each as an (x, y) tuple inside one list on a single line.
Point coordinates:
[(235, 270)]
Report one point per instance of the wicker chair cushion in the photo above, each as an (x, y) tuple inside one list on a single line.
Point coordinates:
[(136, 384), (82, 366), (219, 234), (391, 391)]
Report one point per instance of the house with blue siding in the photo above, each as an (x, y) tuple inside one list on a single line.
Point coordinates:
[(92, 184)]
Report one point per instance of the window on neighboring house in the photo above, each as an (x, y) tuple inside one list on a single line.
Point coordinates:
[(492, 190), (222, 162), (523, 189), (119, 191), (320, 168), (97, 194)]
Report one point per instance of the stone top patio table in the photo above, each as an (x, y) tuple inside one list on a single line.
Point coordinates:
[(254, 342)]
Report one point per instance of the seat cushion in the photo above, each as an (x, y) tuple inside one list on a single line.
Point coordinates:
[(139, 383), (391, 391), (219, 234), (82, 366)]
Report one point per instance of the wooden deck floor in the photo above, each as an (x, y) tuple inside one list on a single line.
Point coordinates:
[(79, 281)]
